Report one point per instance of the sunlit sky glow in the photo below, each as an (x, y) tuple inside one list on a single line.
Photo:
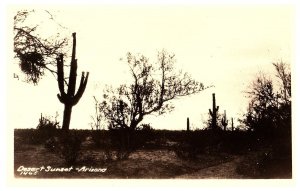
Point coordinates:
[(224, 46)]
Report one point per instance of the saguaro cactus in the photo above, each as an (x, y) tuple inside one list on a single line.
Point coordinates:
[(187, 124), (213, 113), (70, 99), (232, 127), (224, 121)]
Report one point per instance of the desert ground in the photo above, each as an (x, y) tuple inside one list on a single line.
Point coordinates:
[(159, 158)]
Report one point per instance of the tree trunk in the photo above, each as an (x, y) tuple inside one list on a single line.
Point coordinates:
[(67, 117)]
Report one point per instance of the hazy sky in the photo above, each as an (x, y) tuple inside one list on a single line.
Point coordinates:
[(224, 46)]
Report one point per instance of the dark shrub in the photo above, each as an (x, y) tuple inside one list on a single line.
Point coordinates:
[(198, 142), (101, 139), (70, 146), (47, 124), (122, 142), (46, 129), (142, 135), (52, 144)]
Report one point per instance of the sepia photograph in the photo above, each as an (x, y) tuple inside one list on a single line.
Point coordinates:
[(181, 92)]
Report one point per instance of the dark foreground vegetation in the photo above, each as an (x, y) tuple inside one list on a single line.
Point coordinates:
[(153, 153)]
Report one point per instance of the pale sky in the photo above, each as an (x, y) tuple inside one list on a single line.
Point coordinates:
[(224, 46)]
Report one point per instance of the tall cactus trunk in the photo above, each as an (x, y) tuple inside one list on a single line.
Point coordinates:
[(70, 98), (213, 113), (67, 117)]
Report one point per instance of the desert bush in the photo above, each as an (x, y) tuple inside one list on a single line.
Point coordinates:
[(70, 147), (67, 146), (188, 147), (101, 139), (142, 136), (46, 128), (52, 144), (239, 142), (122, 141), (198, 142), (186, 151), (125, 141), (47, 124)]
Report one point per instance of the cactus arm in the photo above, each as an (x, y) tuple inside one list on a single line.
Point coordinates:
[(60, 74), (210, 112), (217, 108), (61, 98), (81, 89)]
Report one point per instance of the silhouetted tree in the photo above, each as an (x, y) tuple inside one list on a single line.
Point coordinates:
[(152, 88), (269, 116), (263, 100), (97, 118), (70, 99), (35, 53), (284, 76), (268, 108), (284, 114)]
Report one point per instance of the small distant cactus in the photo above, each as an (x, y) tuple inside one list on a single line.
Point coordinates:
[(187, 124), (232, 126), (224, 121), (213, 113)]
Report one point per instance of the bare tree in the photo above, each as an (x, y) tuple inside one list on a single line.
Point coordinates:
[(269, 108), (152, 89), (284, 75), (35, 54), (262, 100), (97, 118)]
